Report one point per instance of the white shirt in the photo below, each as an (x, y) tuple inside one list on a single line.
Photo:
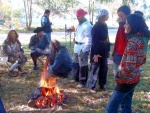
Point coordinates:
[(83, 35)]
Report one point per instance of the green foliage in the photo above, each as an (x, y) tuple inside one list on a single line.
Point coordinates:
[(57, 6), (17, 13)]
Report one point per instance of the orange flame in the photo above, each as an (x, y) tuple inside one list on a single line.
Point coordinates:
[(50, 94)]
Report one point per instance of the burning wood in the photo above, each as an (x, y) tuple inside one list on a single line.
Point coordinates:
[(47, 95)]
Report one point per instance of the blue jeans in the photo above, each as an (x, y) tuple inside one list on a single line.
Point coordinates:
[(48, 35), (2, 109), (117, 98), (115, 68)]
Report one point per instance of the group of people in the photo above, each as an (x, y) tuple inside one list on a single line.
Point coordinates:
[(128, 55)]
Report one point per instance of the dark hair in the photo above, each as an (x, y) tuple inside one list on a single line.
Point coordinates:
[(125, 9), (9, 37), (137, 24), (47, 11), (138, 12)]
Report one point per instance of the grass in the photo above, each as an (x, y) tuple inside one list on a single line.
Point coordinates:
[(17, 90)]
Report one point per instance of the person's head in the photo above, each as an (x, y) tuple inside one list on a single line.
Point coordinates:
[(12, 35), (54, 47), (123, 12), (80, 14), (134, 24), (103, 15), (47, 12), (39, 31), (138, 12)]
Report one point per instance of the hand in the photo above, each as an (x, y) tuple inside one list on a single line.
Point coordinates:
[(95, 58), (39, 50)]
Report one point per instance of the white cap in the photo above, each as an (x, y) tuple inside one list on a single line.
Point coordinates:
[(102, 12)]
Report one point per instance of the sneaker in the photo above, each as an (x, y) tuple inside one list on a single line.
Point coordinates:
[(92, 91), (35, 67), (71, 81), (80, 86), (12, 73)]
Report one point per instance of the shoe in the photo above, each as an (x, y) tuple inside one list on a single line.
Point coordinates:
[(31, 103), (92, 91), (19, 69), (35, 67), (12, 73), (103, 87), (71, 81), (80, 86)]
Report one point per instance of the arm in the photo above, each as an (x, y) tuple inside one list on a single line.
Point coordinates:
[(44, 22), (129, 60), (57, 63), (21, 49), (88, 39), (32, 44), (5, 49), (95, 46)]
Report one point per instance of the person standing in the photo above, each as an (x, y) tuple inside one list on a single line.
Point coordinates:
[(38, 45), (46, 24), (134, 57), (81, 49), (99, 52), (121, 37)]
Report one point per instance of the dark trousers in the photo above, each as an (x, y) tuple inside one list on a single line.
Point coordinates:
[(80, 73), (98, 71), (62, 72), (80, 67), (35, 56)]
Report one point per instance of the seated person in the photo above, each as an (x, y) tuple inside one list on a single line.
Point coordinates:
[(38, 45), (60, 61), (12, 48)]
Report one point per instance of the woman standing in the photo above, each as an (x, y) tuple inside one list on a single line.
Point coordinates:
[(128, 74), (99, 52), (12, 48), (121, 37)]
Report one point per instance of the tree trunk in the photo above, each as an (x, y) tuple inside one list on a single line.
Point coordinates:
[(28, 13)]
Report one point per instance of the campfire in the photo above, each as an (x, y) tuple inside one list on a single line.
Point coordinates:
[(47, 94)]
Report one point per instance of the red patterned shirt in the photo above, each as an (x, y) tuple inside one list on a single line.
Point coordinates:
[(133, 57)]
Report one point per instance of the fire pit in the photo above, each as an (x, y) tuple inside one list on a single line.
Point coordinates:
[(47, 94)]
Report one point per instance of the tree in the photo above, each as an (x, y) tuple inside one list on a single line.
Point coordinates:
[(57, 6), (28, 13), (91, 7)]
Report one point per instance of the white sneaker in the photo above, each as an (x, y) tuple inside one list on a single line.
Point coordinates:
[(92, 91), (80, 86), (71, 81)]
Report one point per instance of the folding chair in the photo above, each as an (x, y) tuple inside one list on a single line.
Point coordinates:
[(40, 59)]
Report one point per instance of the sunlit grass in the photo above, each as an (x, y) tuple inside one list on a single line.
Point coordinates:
[(17, 90)]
